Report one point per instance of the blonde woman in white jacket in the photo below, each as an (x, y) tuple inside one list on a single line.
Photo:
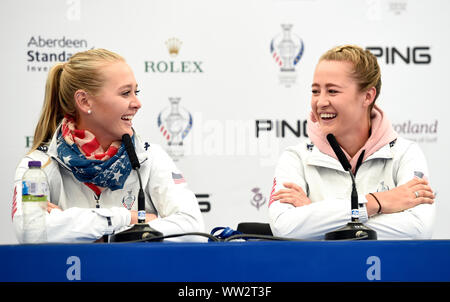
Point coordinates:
[(311, 191), (89, 104)]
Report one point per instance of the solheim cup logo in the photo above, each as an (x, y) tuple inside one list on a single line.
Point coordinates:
[(175, 122), (287, 49)]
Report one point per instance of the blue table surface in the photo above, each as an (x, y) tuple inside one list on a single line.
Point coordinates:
[(256, 261)]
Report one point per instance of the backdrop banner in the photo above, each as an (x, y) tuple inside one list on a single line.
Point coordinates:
[(226, 84)]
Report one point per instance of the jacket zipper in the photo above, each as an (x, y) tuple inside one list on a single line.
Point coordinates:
[(97, 200)]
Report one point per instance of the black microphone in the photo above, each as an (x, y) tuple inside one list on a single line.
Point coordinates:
[(141, 230), (354, 229), (126, 140), (347, 167), (339, 153)]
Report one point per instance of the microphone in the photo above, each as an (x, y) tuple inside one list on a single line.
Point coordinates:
[(339, 153), (347, 167), (126, 140), (141, 230), (354, 229)]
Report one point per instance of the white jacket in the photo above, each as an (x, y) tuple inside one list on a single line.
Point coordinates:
[(80, 221), (329, 186)]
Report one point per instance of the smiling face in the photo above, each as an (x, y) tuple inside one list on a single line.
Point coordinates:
[(337, 103), (113, 107)]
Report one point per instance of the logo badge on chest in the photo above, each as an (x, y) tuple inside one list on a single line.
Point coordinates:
[(382, 187), (128, 200)]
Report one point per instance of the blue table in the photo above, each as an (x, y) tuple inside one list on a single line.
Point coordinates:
[(312, 261)]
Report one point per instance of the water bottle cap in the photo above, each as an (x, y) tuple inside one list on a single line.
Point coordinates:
[(34, 163)]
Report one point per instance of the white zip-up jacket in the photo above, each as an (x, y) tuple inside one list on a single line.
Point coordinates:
[(79, 220), (329, 186)]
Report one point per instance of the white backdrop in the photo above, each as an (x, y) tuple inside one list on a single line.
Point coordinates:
[(226, 78)]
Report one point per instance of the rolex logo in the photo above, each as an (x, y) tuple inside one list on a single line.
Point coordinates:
[(173, 45), (176, 64)]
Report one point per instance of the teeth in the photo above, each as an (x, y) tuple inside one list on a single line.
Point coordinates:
[(327, 115), (127, 117)]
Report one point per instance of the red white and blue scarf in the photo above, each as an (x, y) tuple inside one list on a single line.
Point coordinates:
[(90, 164)]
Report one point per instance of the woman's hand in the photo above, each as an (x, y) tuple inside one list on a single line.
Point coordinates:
[(134, 217), (293, 194), (51, 206), (414, 192)]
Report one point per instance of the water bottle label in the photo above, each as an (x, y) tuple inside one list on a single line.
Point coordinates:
[(33, 191), (31, 198)]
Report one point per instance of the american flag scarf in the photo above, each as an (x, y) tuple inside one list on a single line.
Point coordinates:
[(89, 163)]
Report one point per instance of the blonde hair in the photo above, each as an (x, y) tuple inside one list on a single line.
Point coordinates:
[(81, 71), (366, 70)]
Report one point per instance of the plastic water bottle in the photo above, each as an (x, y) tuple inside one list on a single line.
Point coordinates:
[(35, 190)]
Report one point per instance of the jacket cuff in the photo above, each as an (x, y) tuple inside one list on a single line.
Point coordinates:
[(121, 217), (116, 218)]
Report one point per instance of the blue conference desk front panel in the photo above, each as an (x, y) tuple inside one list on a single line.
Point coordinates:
[(315, 261)]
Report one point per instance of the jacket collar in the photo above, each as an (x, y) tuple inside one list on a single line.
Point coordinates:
[(141, 152), (53, 148), (317, 158)]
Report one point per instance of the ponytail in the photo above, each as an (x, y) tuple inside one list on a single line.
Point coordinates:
[(52, 113)]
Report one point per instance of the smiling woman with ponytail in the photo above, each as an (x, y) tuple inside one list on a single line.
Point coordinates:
[(89, 104)]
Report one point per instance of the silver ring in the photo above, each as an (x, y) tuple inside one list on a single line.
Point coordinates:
[(417, 194)]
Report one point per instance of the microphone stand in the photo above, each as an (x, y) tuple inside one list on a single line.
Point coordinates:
[(140, 230), (354, 229)]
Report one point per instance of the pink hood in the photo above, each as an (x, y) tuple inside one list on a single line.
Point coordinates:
[(382, 134)]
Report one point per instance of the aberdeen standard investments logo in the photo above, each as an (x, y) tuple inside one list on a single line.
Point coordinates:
[(287, 49), (173, 65), (44, 52), (174, 123)]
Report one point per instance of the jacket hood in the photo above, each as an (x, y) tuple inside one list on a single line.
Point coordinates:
[(382, 134)]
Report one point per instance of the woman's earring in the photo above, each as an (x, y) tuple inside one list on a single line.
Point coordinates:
[(89, 111)]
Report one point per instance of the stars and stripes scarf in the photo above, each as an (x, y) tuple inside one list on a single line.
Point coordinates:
[(89, 163)]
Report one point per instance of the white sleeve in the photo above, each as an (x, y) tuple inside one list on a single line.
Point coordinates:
[(176, 204), (310, 221), (73, 224), (414, 223)]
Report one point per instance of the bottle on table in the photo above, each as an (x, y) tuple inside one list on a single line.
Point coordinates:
[(35, 190)]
